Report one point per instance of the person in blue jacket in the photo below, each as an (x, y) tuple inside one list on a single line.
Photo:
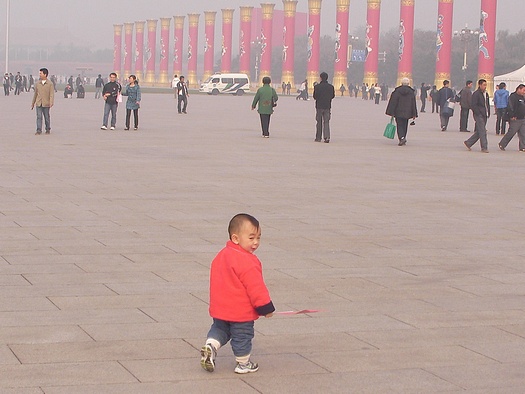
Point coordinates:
[(501, 102), (132, 90)]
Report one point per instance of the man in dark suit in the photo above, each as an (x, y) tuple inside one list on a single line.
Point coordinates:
[(481, 111)]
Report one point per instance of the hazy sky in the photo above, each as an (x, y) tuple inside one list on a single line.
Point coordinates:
[(91, 21)]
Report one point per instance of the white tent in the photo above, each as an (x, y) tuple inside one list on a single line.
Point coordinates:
[(512, 79)]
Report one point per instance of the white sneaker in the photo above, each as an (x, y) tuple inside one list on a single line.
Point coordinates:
[(103, 128), (246, 368), (112, 128), (208, 354)]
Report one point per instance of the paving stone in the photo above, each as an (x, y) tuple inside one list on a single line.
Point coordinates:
[(106, 240)]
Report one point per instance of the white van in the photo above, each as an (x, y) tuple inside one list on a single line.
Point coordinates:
[(233, 83)]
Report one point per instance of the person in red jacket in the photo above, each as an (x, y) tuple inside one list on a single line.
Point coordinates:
[(238, 295)]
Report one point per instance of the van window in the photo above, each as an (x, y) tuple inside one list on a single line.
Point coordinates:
[(241, 80), (215, 80), (227, 80)]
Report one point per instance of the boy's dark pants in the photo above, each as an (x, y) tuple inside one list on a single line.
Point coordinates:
[(240, 334)]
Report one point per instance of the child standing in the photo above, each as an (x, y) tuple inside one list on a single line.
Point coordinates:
[(238, 295)]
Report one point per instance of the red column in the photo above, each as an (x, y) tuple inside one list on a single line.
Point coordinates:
[(164, 50), (313, 47), (245, 40), (178, 37), (151, 50), (139, 49), (444, 41), (266, 41), (290, 7), (406, 41), (373, 15), (209, 43), (341, 43), (193, 41), (487, 43), (226, 50), (117, 48), (128, 48)]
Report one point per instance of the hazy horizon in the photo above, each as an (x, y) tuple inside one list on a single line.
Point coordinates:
[(93, 25)]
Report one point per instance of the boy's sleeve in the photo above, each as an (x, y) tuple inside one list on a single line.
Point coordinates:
[(258, 293)]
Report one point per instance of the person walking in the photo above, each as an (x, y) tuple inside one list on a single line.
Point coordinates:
[(501, 101), (434, 96), (516, 115), (182, 95), (445, 95), (342, 89), (465, 102), (31, 83), (110, 93), (265, 99), (99, 84), (18, 83), (423, 95), (174, 83), (481, 110), (288, 88), (132, 90), (402, 106), (377, 93), (43, 99), (324, 93), (7, 84)]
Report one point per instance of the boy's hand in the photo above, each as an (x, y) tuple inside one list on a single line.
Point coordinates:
[(269, 315)]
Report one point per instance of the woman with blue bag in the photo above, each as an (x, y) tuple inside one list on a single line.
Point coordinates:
[(132, 90), (402, 106)]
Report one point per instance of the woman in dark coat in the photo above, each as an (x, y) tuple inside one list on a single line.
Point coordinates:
[(402, 106)]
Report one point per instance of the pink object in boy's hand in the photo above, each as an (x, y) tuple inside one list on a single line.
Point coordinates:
[(298, 312)]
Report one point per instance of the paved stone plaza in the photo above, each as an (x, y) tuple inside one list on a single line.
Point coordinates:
[(414, 255)]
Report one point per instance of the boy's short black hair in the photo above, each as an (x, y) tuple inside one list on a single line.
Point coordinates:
[(44, 71), (238, 220)]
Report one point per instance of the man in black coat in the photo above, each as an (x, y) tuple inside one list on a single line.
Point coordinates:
[(402, 106), (423, 95), (481, 111), (324, 93), (445, 94), (516, 116)]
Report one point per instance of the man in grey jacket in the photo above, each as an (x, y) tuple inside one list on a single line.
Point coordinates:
[(481, 110)]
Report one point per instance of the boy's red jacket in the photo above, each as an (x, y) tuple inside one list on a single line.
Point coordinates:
[(237, 289)]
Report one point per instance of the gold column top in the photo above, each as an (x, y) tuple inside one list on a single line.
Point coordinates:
[(246, 13), (267, 10), (117, 29), (227, 15), (193, 19), (374, 1), (152, 24), (314, 6), (209, 17), (446, 1), (408, 3), (139, 26), (179, 21), (128, 27), (165, 23), (342, 5), (290, 7)]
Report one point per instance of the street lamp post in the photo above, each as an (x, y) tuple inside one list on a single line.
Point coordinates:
[(465, 36), (7, 37)]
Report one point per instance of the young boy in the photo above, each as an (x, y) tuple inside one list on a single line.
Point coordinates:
[(238, 295)]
